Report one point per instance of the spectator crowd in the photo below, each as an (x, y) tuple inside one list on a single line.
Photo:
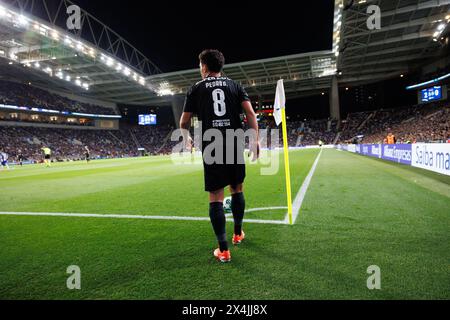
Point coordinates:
[(23, 95), (69, 144), (420, 123)]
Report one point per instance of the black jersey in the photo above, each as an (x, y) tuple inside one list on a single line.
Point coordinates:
[(217, 102)]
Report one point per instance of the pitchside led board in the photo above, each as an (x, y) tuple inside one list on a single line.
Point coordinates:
[(429, 156), (147, 120), (432, 94)]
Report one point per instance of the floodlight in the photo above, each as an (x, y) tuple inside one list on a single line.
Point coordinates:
[(165, 92), (22, 21)]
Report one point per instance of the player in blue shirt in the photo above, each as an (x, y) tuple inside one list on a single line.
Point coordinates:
[(4, 160)]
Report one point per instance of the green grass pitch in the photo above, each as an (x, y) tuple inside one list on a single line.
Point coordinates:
[(357, 212)]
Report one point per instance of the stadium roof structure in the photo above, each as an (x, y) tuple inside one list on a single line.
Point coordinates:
[(410, 35), (301, 72), (96, 62), (37, 45)]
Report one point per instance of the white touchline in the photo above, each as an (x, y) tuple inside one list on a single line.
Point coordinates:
[(126, 216), (297, 205), (296, 209)]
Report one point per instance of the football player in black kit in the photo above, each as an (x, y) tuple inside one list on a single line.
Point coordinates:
[(87, 154), (219, 103), (20, 158)]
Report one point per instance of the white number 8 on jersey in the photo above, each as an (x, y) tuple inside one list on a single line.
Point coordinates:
[(220, 108)]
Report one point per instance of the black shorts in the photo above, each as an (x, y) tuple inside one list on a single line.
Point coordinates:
[(87, 155), (47, 157), (231, 173), (219, 176)]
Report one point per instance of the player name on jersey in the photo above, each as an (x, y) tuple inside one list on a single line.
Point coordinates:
[(216, 84)]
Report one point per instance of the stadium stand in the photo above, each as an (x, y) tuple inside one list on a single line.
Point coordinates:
[(68, 144), (417, 123), (307, 132), (409, 125), (415, 126), (313, 131), (24, 95)]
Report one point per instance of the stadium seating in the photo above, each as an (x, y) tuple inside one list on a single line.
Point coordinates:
[(23, 95), (429, 123), (307, 132), (68, 144)]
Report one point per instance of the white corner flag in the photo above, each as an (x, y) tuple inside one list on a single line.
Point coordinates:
[(280, 102), (279, 113)]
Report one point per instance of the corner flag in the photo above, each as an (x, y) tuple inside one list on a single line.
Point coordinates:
[(280, 102), (279, 113)]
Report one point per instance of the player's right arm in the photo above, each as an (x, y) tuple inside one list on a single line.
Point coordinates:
[(253, 123), (185, 124), (190, 107)]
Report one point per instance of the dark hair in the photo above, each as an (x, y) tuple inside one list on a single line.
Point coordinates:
[(213, 59)]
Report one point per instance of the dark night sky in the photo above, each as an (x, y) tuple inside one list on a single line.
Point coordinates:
[(172, 33)]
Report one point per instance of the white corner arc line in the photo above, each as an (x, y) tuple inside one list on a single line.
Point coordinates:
[(298, 202)]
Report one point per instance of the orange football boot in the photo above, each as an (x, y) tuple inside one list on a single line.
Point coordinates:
[(237, 240), (222, 256)]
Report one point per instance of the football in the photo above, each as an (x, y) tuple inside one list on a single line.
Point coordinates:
[(227, 205)]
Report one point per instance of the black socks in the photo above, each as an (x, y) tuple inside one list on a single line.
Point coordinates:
[(218, 222), (238, 208), (218, 219)]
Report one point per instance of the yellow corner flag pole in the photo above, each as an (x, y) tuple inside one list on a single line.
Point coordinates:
[(280, 117), (286, 166)]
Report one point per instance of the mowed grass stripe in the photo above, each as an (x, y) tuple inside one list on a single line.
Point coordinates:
[(74, 169), (33, 194), (377, 217), (438, 183), (135, 186)]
